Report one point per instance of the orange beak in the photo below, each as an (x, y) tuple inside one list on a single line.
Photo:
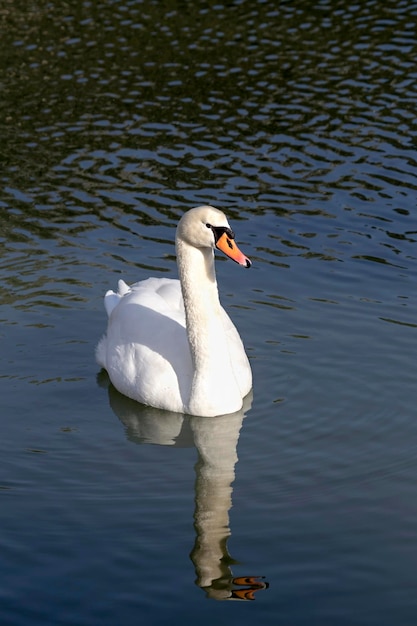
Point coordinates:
[(230, 249), (253, 584)]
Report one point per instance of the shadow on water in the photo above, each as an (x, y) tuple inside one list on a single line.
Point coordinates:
[(216, 442)]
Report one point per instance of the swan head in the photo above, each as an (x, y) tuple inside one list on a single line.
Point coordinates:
[(207, 227)]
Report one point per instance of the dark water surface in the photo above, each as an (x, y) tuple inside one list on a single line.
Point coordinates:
[(299, 120)]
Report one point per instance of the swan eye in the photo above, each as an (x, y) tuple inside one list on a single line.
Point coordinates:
[(208, 225)]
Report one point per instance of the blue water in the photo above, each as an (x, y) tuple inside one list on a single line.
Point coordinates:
[(299, 122)]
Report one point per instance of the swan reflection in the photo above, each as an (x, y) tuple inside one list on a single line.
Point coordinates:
[(216, 442)]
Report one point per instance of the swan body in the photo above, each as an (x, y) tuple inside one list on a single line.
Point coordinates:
[(169, 343)]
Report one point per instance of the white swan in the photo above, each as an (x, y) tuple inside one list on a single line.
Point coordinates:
[(169, 343)]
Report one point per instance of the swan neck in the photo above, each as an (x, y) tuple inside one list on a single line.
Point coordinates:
[(200, 294), (206, 333)]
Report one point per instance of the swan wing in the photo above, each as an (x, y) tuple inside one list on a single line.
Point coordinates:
[(145, 350)]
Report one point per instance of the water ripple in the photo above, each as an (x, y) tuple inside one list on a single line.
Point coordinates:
[(299, 119)]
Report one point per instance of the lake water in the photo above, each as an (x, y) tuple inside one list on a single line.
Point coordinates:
[(299, 120)]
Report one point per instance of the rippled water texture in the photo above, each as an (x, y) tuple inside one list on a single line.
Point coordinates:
[(299, 120)]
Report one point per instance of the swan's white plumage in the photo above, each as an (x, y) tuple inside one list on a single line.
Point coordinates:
[(169, 343)]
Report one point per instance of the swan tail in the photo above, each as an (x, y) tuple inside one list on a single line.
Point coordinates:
[(101, 352), (112, 299)]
